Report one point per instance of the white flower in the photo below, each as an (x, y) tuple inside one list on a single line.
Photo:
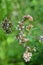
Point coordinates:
[(41, 39), (27, 56)]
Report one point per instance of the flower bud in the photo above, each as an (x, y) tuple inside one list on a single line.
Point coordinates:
[(28, 17)]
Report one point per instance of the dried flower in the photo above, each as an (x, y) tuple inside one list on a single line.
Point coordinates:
[(27, 56), (20, 27), (29, 27), (28, 17)]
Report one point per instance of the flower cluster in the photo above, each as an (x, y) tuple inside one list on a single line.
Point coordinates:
[(41, 39), (6, 25), (21, 37), (27, 54)]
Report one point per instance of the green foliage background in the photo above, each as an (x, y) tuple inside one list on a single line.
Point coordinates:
[(10, 50)]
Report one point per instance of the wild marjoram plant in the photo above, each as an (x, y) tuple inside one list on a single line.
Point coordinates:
[(22, 37)]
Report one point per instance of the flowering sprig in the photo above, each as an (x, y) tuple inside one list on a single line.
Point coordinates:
[(21, 28), (28, 53)]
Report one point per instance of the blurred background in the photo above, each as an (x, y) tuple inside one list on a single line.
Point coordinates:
[(10, 50)]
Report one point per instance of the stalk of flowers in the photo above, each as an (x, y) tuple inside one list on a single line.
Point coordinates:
[(28, 53), (20, 27), (22, 38)]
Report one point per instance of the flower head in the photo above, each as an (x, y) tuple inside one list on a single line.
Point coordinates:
[(28, 17), (41, 39), (27, 56)]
